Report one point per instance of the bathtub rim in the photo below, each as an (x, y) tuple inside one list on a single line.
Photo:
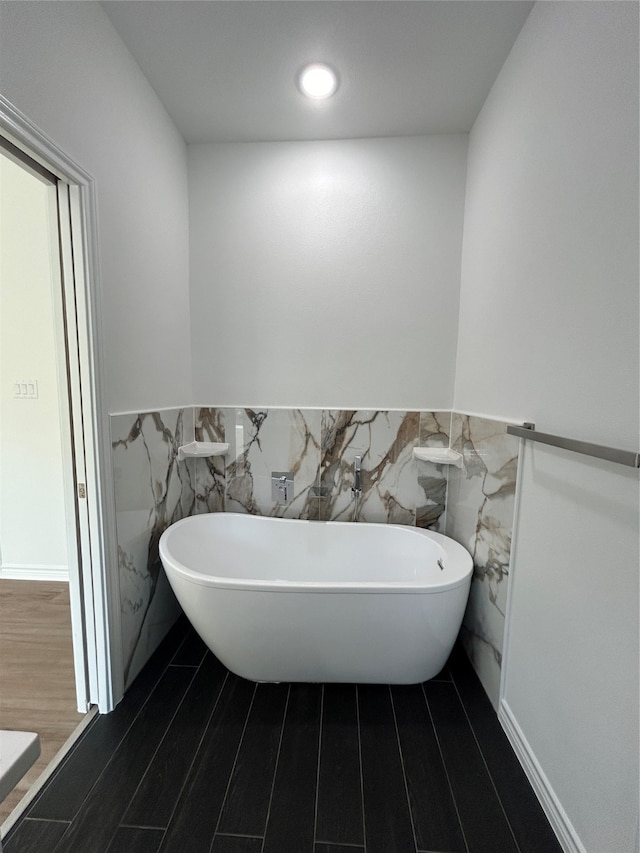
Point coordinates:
[(454, 551)]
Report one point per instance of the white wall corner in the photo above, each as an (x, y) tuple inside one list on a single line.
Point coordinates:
[(556, 815)]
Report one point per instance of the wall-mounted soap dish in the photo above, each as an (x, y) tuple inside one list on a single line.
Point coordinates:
[(439, 455), (202, 448)]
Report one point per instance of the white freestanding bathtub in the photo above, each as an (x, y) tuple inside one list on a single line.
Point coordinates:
[(287, 600)]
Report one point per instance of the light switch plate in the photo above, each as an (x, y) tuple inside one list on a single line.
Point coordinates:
[(25, 389)]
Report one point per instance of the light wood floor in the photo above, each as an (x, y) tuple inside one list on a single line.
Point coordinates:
[(37, 686)]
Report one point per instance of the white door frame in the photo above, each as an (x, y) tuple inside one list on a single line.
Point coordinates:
[(95, 599)]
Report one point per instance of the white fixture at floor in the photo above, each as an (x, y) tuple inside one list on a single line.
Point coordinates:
[(319, 602), (18, 751)]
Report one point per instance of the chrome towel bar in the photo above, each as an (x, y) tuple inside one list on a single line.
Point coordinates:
[(600, 451)]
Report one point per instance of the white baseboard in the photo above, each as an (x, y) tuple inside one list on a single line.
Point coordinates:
[(25, 572), (556, 815)]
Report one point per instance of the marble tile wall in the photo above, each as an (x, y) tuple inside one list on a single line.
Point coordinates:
[(208, 475), (435, 428), (480, 508), (473, 505), (152, 490), (263, 441), (318, 447), (384, 440)]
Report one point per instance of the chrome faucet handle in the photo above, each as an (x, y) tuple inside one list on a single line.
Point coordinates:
[(282, 488), (357, 471)]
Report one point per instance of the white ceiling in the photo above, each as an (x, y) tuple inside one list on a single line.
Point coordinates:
[(225, 69)]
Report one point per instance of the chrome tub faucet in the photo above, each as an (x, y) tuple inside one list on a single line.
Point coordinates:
[(357, 471), (357, 486)]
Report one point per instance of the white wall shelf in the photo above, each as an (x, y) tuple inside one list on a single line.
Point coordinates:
[(439, 455), (202, 448)]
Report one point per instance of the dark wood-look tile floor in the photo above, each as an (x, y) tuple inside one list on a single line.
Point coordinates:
[(197, 760)]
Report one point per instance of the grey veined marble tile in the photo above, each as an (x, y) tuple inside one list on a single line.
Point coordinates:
[(265, 441), (209, 474), (480, 507), (385, 441), (152, 490), (432, 479)]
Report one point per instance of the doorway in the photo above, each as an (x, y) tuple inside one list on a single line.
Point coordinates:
[(52, 554), (43, 671)]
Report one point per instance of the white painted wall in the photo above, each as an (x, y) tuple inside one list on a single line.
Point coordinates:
[(549, 292), (549, 332), (63, 65), (32, 511), (326, 273)]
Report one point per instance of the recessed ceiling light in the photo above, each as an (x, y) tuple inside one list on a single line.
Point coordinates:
[(318, 81)]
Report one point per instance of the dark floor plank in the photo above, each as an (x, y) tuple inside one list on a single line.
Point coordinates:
[(63, 795), (339, 817), (291, 816), (102, 812), (387, 817), (443, 675), (191, 652), (231, 844), (198, 809), (133, 839), (483, 821), (435, 819), (481, 809), (530, 826), (34, 836), (157, 795), (247, 802)]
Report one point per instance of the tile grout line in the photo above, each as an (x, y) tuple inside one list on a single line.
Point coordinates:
[(364, 827), (430, 851), (446, 771), (404, 774), (235, 761), (195, 755), (239, 835), (315, 808), (161, 741), (46, 820), (57, 763), (484, 761), (113, 752), (63, 763), (275, 769)]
